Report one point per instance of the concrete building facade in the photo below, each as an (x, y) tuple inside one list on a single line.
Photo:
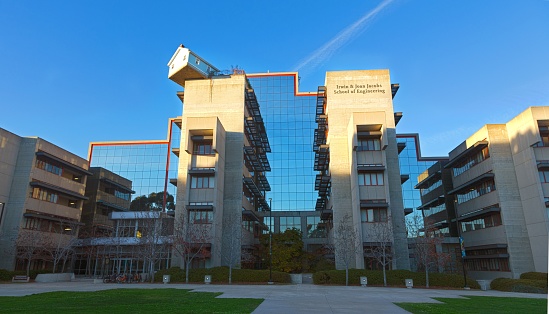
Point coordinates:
[(222, 161), (225, 143), (500, 194), (41, 196), (363, 169)]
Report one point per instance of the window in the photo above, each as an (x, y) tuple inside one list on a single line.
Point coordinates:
[(314, 230), (477, 191), (122, 195), (489, 221), (289, 223), (44, 195), (486, 260), (32, 223), (248, 225), (373, 215), (48, 167), (471, 161), (201, 217), (544, 176), (202, 182), (126, 228), (269, 222), (369, 144), (370, 178), (203, 148), (431, 187)]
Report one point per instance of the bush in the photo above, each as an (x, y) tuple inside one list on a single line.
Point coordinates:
[(394, 278), (534, 276), (6, 275), (221, 275), (324, 264), (519, 285)]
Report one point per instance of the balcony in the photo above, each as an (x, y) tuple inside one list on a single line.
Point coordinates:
[(53, 209), (58, 181)]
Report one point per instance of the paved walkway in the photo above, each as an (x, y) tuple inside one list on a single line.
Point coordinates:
[(285, 298)]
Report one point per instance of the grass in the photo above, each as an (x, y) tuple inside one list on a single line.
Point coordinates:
[(477, 304), (127, 301)]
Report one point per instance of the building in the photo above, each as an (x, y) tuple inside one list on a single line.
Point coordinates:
[(107, 192), (41, 199), (252, 153), (222, 164), (499, 193), (230, 123), (139, 243)]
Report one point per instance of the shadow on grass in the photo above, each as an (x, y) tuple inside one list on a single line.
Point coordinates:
[(478, 304), (127, 301)]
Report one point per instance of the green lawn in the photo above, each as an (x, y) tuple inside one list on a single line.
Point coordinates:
[(475, 304), (127, 301)]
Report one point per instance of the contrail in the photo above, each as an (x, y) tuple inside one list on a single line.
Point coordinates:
[(326, 51)]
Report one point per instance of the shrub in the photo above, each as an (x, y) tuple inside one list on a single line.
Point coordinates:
[(519, 285), (5, 275), (221, 275), (394, 278), (534, 276), (324, 264)]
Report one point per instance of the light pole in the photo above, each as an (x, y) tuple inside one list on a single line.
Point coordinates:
[(270, 241), (461, 247)]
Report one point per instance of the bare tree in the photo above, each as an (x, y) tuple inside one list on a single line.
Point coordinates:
[(346, 243), (232, 242), (153, 235), (190, 241), (59, 244), (381, 248), (29, 245), (426, 239)]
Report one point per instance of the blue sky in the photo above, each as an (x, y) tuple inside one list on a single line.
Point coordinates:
[(72, 72)]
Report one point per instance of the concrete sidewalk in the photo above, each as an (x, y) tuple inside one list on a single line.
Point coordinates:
[(285, 298)]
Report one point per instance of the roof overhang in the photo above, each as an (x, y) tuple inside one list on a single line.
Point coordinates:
[(425, 182), (469, 151), (53, 218), (480, 212), (372, 204), (466, 185), (432, 203), (58, 189), (111, 205), (65, 163), (118, 185)]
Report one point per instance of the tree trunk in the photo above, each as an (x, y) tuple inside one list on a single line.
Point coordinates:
[(230, 274), (427, 276), (347, 275), (151, 271), (384, 273), (187, 264), (28, 267)]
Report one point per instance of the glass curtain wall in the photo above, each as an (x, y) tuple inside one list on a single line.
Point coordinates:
[(413, 164), (290, 123), (150, 166)]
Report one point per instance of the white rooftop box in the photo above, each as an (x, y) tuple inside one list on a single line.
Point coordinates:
[(186, 65)]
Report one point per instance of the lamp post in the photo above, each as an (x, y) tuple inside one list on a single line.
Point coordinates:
[(461, 247), (270, 241)]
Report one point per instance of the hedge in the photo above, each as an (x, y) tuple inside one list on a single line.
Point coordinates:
[(519, 285), (534, 276), (394, 278), (7, 275), (221, 275)]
